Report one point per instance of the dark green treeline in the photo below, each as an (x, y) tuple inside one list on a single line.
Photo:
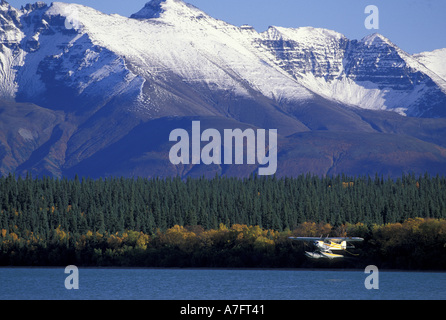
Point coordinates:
[(118, 204)]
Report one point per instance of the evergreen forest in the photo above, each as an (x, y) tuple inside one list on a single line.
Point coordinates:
[(221, 222)]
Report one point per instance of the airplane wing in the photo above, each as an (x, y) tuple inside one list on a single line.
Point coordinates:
[(334, 239), (348, 239), (306, 238)]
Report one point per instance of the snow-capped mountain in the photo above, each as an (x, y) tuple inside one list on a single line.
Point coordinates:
[(66, 47), (372, 73), (104, 76), (434, 60)]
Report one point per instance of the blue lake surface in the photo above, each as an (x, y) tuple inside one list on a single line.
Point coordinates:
[(211, 284)]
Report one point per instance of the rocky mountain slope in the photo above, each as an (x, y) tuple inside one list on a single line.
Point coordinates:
[(95, 94)]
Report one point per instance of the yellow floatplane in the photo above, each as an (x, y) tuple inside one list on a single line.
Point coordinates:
[(325, 247)]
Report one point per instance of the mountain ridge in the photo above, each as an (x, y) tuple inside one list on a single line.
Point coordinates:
[(108, 75), (347, 72)]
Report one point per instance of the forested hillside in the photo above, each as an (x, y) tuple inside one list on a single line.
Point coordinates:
[(116, 205), (219, 222)]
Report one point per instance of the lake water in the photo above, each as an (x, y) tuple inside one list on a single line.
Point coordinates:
[(204, 284)]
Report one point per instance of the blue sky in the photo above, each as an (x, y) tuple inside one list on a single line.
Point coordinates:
[(414, 25)]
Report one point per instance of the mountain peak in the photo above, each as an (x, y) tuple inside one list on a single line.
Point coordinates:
[(3, 3), (159, 8), (376, 39), (151, 9), (6, 7)]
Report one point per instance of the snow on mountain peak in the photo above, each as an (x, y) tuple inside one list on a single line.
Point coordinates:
[(434, 60), (4, 6), (159, 8), (303, 34), (152, 9), (376, 39), (29, 7), (171, 37), (7, 12)]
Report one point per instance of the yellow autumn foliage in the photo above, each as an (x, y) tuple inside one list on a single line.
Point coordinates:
[(180, 237)]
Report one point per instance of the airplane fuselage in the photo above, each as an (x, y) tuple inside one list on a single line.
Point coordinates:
[(330, 246)]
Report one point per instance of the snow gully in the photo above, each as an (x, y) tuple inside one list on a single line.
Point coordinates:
[(233, 147)]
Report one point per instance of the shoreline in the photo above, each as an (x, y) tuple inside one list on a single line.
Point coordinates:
[(223, 269)]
